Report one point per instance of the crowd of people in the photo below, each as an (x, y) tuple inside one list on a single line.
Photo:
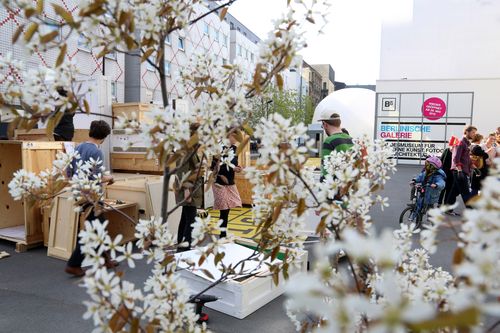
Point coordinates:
[(462, 166)]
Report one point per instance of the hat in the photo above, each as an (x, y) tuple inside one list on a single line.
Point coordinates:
[(327, 115)]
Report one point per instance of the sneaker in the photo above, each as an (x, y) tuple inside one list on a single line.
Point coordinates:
[(452, 213)]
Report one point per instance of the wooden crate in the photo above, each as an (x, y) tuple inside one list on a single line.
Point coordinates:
[(18, 222), (66, 223), (126, 109), (244, 188), (240, 298), (147, 193), (135, 162), (81, 135)]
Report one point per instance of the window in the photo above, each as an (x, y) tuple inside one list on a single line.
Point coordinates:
[(167, 40), (251, 56), (217, 36), (53, 26), (114, 91), (224, 61), (238, 46), (225, 40), (150, 67), (180, 43), (246, 54), (82, 43), (111, 55), (206, 29), (167, 68)]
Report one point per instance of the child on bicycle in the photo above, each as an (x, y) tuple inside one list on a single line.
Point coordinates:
[(433, 181)]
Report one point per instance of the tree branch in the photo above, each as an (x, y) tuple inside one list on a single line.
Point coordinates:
[(227, 4)]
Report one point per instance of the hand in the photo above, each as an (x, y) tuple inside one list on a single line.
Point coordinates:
[(433, 185), (237, 169)]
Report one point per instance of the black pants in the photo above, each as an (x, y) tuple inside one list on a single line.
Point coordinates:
[(77, 256), (447, 188), (186, 224), (224, 216), (460, 186)]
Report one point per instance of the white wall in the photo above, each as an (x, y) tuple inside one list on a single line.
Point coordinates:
[(486, 102), (447, 39)]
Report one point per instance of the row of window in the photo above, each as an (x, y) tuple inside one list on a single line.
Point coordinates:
[(241, 51), (216, 34)]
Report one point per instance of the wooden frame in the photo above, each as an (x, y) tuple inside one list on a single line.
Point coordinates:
[(66, 223), (20, 222)]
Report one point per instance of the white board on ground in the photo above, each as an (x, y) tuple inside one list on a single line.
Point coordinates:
[(234, 254)]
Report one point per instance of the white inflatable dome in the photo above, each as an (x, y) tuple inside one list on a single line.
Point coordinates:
[(356, 107)]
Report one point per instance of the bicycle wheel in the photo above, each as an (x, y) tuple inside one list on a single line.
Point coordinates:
[(405, 216)]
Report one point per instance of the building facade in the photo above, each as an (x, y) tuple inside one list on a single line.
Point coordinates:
[(112, 66), (314, 80), (327, 78), (438, 73)]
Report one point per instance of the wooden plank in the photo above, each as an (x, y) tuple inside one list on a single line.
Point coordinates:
[(134, 162), (11, 211), (154, 194), (63, 228), (118, 224), (244, 188), (80, 135)]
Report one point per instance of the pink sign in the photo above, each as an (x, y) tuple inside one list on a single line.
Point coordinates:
[(434, 108)]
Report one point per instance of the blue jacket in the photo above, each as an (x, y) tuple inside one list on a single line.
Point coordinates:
[(432, 194)]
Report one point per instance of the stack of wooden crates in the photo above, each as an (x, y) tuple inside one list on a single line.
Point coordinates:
[(20, 222), (133, 160)]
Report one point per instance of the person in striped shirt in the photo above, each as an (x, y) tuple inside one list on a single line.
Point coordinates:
[(336, 140)]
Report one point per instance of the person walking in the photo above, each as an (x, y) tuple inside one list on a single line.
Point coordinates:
[(336, 139), (226, 195), (98, 132), (446, 167), (65, 129), (461, 169), (190, 198), (479, 170)]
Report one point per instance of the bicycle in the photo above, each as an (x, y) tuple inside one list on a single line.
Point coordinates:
[(416, 212)]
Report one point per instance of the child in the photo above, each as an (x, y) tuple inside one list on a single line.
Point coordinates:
[(433, 180)]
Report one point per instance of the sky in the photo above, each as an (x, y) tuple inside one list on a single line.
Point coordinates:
[(351, 40)]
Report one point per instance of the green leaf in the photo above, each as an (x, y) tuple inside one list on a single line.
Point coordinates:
[(207, 273), (39, 6), (18, 33), (62, 55), (462, 319), (63, 13), (223, 13), (32, 28), (49, 37), (86, 106), (52, 123)]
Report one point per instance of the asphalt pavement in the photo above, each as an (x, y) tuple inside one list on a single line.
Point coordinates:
[(37, 296)]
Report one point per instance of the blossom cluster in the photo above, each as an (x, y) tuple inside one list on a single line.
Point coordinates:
[(39, 89), (389, 286), (45, 185), (162, 304), (350, 179), (87, 181)]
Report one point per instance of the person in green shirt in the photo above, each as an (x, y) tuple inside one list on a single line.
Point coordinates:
[(337, 139)]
